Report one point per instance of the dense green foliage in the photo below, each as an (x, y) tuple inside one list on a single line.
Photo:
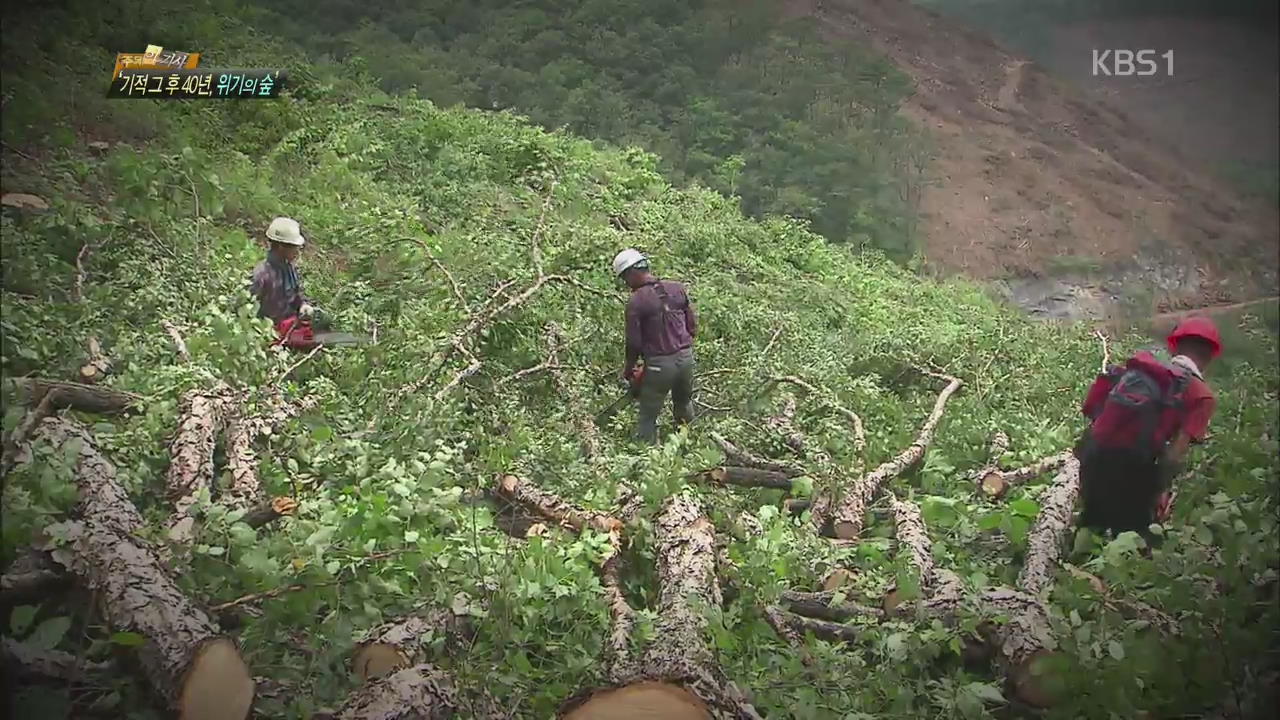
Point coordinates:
[(173, 218), (726, 93)]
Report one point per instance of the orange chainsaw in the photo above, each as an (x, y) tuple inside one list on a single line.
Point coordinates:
[(633, 392)]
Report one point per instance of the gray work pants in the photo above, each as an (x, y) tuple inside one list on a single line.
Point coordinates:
[(665, 374)]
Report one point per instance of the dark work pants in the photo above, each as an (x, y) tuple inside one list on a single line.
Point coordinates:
[(662, 375), (1118, 492)]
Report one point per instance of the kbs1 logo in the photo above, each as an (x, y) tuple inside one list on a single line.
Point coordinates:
[(1126, 63)]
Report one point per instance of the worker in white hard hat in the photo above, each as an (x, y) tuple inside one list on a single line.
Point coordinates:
[(660, 327), (276, 286)]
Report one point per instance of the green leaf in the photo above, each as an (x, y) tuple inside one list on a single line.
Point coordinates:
[(1116, 650), (1025, 507), (20, 619), (49, 633), (322, 433), (985, 692), (128, 639)]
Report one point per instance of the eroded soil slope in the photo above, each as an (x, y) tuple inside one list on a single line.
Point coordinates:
[(1033, 178)]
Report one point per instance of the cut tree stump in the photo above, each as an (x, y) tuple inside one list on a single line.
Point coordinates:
[(404, 642), (678, 678), (849, 515), (77, 396)]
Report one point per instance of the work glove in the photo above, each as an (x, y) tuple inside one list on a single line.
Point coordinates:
[(307, 310)]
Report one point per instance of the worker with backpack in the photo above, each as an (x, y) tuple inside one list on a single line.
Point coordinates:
[(1143, 417)]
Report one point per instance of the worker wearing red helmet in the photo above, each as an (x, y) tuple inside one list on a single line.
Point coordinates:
[(1144, 416)]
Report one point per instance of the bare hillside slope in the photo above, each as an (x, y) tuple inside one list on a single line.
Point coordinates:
[(1034, 179)]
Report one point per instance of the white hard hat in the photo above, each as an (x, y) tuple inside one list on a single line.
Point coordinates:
[(285, 230), (627, 259)]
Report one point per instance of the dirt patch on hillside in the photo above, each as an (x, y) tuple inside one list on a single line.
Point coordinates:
[(1034, 176)]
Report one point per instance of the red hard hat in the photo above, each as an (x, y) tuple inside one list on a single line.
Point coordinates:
[(1201, 327)]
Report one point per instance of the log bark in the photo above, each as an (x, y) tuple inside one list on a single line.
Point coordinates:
[(677, 677), (245, 491), (738, 456), (552, 507), (196, 670), (1048, 535), (100, 495), (191, 458), (420, 692), (850, 513), (748, 477), (1021, 641), (404, 642), (32, 576), (189, 663), (77, 396), (996, 484), (35, 664)]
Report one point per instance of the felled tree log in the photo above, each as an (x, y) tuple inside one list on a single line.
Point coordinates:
[(32, 576), (242, 461), (101, 496), (996, 484), (792, 627), (1023, 640), (1020, 642), (555, 509), (197, 671), (420, 692), (77, 396), (550, 506), (822, 606), (678, 678), (36, 664), (1049, 534), (738, 456), (191, 458), (748, 477), (404, 642), (913, 539), (849, 515)]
